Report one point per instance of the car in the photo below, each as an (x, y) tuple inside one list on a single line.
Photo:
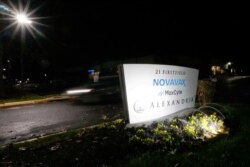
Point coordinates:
[(105, 89)]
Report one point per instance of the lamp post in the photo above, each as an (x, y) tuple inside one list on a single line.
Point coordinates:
[(23, 22)]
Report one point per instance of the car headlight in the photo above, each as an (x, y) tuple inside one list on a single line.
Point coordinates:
[(78, 91)]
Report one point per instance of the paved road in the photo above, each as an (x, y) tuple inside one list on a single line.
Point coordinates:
[(25, 122), (234, 89)]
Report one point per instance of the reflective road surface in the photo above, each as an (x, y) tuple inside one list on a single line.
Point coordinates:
[(26, 122)]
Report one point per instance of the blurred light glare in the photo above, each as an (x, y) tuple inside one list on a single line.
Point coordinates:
[(91, 71), (78, 91), (3, 7), (23, 19)]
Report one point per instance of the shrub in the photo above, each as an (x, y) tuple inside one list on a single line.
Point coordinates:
[(205, 92)]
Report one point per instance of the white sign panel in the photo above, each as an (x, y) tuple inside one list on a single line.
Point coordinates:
[(155, 91)]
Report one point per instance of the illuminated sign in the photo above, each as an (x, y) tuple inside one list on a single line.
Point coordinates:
[(151, 91), (91, 71)]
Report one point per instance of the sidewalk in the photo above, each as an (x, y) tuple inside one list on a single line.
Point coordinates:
[(35, 101)]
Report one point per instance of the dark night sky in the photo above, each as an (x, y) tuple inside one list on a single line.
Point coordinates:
[(110, 29), (79, 32)]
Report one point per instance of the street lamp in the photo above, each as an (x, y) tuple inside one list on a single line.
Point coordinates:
[(21, 18), (23, 22)]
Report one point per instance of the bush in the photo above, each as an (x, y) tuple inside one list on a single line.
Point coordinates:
[(205, 92)]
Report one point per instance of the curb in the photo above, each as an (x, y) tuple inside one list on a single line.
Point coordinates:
[(28, 102)]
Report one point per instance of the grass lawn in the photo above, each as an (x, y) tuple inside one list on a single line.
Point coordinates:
[(110, 144)]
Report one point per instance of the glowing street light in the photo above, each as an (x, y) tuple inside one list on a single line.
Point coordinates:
[(21, 18), (23, 21), (228, 64)]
